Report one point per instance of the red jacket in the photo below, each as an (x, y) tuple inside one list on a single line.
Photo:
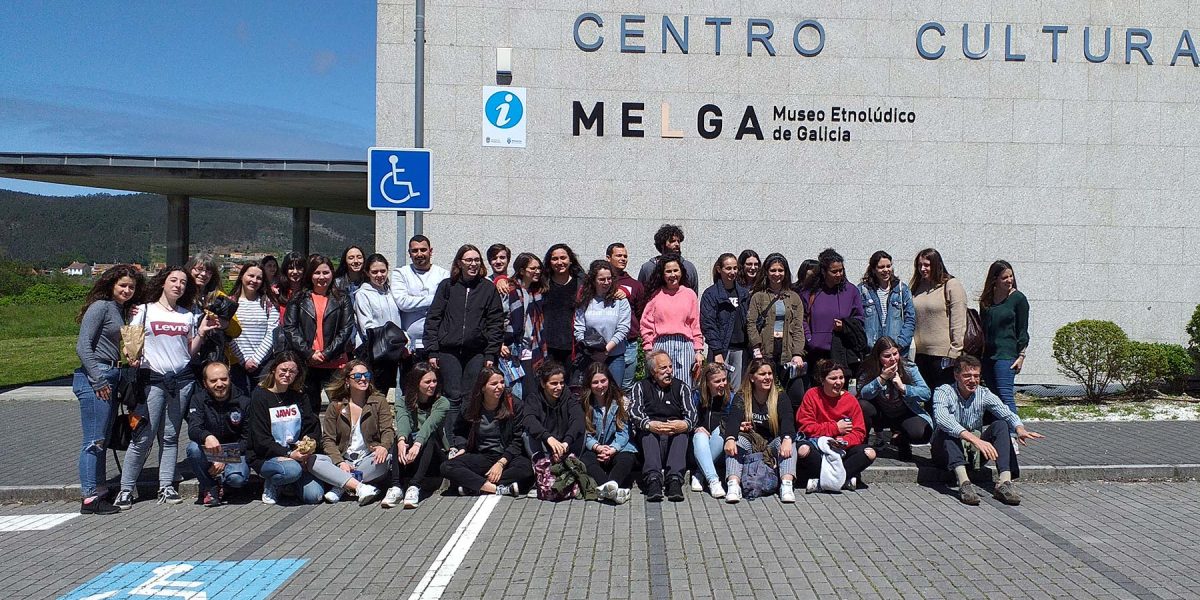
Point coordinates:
[(819, 414)]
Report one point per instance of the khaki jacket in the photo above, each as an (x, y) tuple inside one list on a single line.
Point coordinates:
[(377, 423), (793, 324)]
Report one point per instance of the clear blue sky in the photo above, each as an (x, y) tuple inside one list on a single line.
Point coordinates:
[(264, 79)]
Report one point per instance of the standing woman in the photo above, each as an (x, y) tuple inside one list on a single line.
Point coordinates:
[(941, 305), (757, 408), (258, 315), (562, 292), (319, 323), (892, 394), (172, 338), (671, 320), (357, 436), (206, 275), (374, 307), (290, 281), (887, 304), (523, 349), (829, 410), (464, 327), (1004, 311), (270, 268), (749, 268), (487, 451), (723, 310), (831, 307), (714, 396), (608, 451), (420, 440), (351, 271), (602, 320), (775, 327), (106, 309), (277, 420), (804, 272)]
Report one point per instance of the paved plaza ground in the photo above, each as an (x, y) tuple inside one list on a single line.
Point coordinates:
[(1076, 535)]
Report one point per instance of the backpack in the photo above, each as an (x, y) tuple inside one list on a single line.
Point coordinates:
[(546, 479), (758, 478)]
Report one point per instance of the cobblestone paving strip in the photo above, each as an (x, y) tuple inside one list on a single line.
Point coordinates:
[(660, 581), (264, 538)]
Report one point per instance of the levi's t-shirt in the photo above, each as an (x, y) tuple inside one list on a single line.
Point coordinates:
[(168, 338)]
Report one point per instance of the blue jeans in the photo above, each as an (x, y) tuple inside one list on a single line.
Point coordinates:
[(706, 447), (627, 374), (235, 474), (96, 416), (166, 402), (616, 367), (287, 475), (998, 376)]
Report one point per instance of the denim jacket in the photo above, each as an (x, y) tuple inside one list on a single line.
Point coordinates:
[(607, 434), (916, 394), (901, 315)]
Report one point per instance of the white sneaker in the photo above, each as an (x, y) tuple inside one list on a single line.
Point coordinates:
[(851, 484), (532, 493), (734, 493), (621, 496), (812, 486), (392, 498), (412, 496), (607, 491), (787, 495), (333, 496), (696, 487), (269, 493), (715, 488), (366, 494)]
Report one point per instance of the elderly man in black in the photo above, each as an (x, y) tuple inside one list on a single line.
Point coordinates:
[(664, 414)]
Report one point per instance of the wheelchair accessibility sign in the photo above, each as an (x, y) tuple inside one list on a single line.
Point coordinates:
[(399, 179), (203, 580), (504, 113)]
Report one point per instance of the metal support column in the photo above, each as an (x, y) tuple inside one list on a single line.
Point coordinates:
[(178, 229), (419, 103), (300, 228)]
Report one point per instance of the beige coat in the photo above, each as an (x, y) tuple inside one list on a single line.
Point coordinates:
[(377, 424), (940, 332)]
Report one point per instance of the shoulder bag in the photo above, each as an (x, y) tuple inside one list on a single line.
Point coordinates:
[(973, 338)]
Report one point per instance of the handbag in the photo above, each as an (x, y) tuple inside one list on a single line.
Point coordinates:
[(386, 343), (974, 339), (131, 388)]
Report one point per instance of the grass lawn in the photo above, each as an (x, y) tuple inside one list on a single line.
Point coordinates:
[(37, 342)]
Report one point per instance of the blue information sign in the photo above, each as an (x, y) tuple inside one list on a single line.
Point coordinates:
[(399, 179), (201, 580)]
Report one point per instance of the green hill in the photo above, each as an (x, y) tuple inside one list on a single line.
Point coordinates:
[(51, 232)]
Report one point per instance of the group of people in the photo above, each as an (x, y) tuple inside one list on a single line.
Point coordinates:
[(509, 380)]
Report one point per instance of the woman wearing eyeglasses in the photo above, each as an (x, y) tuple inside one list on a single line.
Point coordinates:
[(357, 433)]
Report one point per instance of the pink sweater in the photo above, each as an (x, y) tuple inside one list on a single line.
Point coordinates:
[(669, 313)]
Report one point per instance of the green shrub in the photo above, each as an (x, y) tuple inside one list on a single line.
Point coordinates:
[(1193, 331), (50, 293), (1149, 367), (1090, 353)]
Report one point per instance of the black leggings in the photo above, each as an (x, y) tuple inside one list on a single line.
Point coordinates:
[(855, 462), (616, 469), (469, 471), (414, 473), (457, 371), (315, 380), (932, 372), (912, 428)]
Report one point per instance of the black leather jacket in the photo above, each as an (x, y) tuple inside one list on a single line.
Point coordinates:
[(300, 324)]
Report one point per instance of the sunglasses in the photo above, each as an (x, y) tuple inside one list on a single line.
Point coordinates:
[(360, 376)]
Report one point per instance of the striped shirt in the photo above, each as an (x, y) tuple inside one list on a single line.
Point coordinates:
[(954, 414), (258, 321)]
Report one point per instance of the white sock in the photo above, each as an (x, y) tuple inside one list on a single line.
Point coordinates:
[(1005, 476), (961, 472)]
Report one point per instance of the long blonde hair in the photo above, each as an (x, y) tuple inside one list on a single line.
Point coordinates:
[(747, 393), (707, 371)]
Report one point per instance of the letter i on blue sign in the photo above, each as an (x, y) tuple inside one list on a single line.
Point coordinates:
[(504, 116)]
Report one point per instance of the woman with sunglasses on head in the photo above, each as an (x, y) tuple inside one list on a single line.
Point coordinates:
[(105, 310), (258, 315), (278, 420), (420, 440), (319, 324), (487, 449), (464, 327), (357, 435), (375, 307), (759, 409), (608, 449), (775, 327)]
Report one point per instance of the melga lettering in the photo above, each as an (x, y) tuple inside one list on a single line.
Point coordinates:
[(709, 122)]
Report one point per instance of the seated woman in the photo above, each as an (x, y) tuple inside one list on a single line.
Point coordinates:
[(420, 441), (830, 411), (277, 419), (756, 408), (356, 436), (893, 394), (487, 451), (608, 452), (215, 420), (713, 401)]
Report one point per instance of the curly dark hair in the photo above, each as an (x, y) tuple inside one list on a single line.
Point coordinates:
[(576, 269), (657, 277), (154, 288), (664, 235), (103, 288)]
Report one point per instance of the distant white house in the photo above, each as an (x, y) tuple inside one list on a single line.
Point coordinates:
[(76, 268)]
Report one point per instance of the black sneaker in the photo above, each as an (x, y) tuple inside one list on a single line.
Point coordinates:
[(124, 500), (654, 490), (98, 506), (968, 494), (904, 450), (168, 495), (675, 489)]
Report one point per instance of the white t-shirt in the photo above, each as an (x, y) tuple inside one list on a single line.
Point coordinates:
[(168, 337), (285, 424)]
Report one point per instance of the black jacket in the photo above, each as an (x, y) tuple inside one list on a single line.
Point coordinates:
[(558, 314), (719, 315), (760, 418), (511, 432), (465, 315), (849, 346), (211, 417), (260, 443), (562, 420), (300, 324)]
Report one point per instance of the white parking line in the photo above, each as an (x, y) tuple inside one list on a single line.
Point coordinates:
[(34, 522), (434, 583)]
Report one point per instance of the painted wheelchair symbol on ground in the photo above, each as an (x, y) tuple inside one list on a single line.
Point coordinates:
[(207, 580)]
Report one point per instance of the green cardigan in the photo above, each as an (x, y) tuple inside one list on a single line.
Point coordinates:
[(424, 423)]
